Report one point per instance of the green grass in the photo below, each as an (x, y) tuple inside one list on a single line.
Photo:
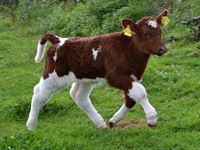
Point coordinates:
[(172, 82)]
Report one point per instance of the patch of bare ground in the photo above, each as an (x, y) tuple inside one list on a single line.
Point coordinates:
[(130, 124)]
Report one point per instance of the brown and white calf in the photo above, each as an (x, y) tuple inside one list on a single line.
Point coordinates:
[(118, 58)]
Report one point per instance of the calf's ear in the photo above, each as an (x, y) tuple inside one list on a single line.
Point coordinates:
[(129, 27), (162, 19)]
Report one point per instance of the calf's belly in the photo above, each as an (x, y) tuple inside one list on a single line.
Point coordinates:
[(55, 82)]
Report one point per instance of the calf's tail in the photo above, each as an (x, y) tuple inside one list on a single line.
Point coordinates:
[(42, 45)]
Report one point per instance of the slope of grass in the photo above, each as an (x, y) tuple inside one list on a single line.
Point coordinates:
[(172, 82)]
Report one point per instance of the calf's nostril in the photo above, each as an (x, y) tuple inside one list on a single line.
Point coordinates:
[(160, 51), (163, 50)]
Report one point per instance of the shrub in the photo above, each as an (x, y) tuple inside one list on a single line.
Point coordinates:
[(8, 2), (78, 22), (94, 17), (134, 10)]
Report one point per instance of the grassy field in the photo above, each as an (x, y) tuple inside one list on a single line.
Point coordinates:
[(172, 82)]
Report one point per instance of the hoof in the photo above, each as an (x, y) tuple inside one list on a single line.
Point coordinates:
[(111, 125), (152, 126), (31, 125), (101, 125), (152, 119), (30, 128)]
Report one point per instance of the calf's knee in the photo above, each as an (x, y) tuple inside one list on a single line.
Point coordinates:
[(74, 90), (40, 95), (137, 92)]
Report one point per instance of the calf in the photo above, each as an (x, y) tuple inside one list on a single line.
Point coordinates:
[(118, 58)]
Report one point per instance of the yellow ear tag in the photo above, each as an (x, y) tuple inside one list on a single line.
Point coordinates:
[(127, 31), (165, 20)]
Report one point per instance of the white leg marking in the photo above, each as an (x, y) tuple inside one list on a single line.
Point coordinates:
[(119, 114), (74, 89), (39, 99), (83, 101), (139, 94)]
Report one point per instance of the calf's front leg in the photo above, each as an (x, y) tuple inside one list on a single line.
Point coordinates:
[(128, 104), (139, 95), (134, 93), (118, 115)]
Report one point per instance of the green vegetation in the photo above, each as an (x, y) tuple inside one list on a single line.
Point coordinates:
[(172, 81)]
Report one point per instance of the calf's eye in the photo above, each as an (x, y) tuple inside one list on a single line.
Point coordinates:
[(146, 35)]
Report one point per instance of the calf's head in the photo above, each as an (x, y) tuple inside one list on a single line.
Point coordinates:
[(146, 33)]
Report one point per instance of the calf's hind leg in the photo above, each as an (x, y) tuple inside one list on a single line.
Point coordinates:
[(74, 90), (41, 94), (80, 92)]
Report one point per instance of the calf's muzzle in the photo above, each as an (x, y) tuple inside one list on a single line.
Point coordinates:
[(162, 50)]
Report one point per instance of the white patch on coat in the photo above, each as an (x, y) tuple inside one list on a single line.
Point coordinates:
[(95, 52), (62, 40), (139, 95), (152, 23), (55, 56), (40, 52), (71, 78), (54, 82)]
